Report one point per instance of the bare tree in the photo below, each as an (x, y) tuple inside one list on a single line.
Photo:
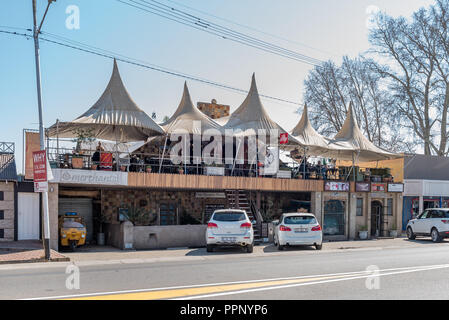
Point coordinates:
[(329, 89), (415, 59)]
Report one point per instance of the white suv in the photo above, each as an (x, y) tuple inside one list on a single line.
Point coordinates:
[(297, 229), (230, 228), (432, 222)]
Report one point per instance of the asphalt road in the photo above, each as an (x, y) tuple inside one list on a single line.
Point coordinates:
[(389, 273)]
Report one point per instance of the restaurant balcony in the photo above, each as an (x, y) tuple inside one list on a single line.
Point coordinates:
[(148, 171)]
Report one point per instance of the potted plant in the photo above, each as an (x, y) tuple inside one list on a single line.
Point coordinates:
[(363, 232), (100, 218), (81, 136), (393, 231)]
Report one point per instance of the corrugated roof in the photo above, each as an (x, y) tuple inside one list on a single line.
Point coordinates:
[(8, 169), (426, 167)]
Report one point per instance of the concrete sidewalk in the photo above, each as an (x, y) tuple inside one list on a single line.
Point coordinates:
[(113, 255), (105, 255), (26, 251)]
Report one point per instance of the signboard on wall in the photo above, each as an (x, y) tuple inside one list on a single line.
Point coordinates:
[(378, 187), (210, 195), (362, 187), (91, 177), (395, 187), (40, 171), (32, 144), (271, 161), (336, 186)]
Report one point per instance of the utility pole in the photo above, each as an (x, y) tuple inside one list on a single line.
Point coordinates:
[(36, 31)]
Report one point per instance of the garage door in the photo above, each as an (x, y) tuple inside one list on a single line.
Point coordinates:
[(84, 208), (28, 216)]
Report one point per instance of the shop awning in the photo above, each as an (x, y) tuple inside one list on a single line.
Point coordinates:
[(114, 117), (187, 118), (350, 143)]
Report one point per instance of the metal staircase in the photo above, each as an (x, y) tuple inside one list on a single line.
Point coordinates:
[(238, 199)]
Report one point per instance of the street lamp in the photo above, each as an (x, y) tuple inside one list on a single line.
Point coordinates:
[(36, 32)]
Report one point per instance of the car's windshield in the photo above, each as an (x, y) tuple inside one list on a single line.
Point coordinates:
[(72, 224), (299, 220), (229, 216)]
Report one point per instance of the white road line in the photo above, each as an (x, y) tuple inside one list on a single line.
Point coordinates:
[(368, 273), (302, 284)]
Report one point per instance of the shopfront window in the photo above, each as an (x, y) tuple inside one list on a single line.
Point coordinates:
[(168, 214), (359, 211), (334, 218), (389, 207)]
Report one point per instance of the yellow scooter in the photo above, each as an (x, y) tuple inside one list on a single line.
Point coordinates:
[(72, 230)]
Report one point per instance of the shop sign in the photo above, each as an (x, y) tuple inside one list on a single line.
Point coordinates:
[(92, 177), (378, 187), (362, 187), (210, 195), (395, 187), (215, 171), (40, 171), (336, 186)]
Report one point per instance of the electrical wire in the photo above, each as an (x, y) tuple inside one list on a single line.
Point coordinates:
[(65, 42), (207, 26)]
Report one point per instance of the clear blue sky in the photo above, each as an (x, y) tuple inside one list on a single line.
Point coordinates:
[(72, 81)]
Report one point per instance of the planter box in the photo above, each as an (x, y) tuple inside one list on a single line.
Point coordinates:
[(363, 235), (77, 162)]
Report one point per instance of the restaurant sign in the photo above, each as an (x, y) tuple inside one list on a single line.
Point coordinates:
[(396, 187), (91, 177), (362, 187), (336, 186), (378, 187)]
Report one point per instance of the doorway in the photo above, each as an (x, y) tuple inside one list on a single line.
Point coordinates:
[(376, 218)]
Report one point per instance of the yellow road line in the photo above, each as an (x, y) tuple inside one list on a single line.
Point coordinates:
[(177, 293)]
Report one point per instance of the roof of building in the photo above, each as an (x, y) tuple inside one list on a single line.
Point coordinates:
[(422, 167), (350, 142), (8, 171), (189, 118), (115, 117)]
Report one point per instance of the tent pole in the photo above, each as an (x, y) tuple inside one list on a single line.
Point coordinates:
[(304, 164), (57, 140), (236, 153), (163, 154)]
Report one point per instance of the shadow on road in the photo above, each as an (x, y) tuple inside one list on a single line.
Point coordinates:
[(424, 241), (217, 251), (273, 248)]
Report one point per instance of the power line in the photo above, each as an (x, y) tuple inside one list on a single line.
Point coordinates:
[(184, 18), (111, 55), (251, 28)]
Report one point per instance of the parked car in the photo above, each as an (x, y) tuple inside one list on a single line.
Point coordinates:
[(298, 229), (431, 222), (230, 228)]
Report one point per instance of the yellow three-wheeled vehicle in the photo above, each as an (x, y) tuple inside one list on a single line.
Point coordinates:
[(72, 230)]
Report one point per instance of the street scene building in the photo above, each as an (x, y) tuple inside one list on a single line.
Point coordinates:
[(247, 150), (156, 194)]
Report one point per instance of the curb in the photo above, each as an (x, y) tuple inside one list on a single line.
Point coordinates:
[(64, 259)]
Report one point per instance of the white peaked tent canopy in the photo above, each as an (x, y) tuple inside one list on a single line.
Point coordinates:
[(115, 117), (314, 143), (251, 116), (187, 118), (350, 143)]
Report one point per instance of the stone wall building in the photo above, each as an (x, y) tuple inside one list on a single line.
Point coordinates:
[(213, 109), (8, 197)]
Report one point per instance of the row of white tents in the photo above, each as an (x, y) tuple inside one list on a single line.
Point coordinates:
[(116, 117)]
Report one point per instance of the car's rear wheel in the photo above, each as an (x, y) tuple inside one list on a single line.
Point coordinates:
[(318, 246), (435, 235), (280, 248), (209, 248), (410, 234), (249, 248)]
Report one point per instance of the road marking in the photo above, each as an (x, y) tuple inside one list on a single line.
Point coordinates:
[(228, 288)]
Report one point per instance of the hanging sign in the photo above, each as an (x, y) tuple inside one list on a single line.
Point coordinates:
[(283, 138), (40, 171)]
